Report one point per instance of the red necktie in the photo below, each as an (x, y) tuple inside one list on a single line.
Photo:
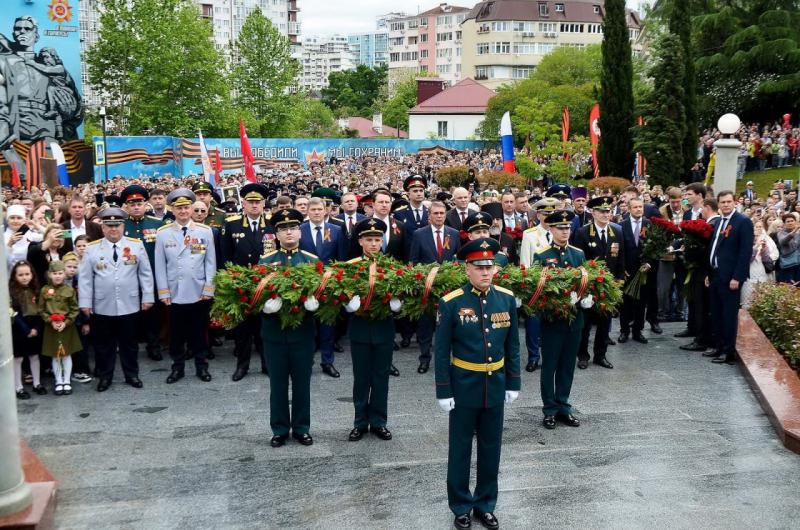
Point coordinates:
[(439, 248), (349, 223), (463, 217)]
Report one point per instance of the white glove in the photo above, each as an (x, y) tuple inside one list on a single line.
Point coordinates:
[(395, 304), (587, 302), (573, 297), (447, 404), (353, 305), (273, 305), (518, 301), (511, 396), (311, 304)]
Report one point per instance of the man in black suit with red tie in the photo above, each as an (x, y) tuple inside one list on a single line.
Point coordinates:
[(436, 243), (350, 216), (634, 235), (729, 261)]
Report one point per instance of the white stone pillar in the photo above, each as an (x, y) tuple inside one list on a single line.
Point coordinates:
[(15, 493), (727, 157)]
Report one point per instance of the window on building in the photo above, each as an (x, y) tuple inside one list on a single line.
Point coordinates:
[(559, 8), (634, 33), (458, 52), (443, 68), (442, 20), (543, 10), (443, 37), (481, 72), (596, 9), (413, 24), (594, 28), (458, 68), (501, 25), (524, 48), (423, 37), (442, 129), (394, 57), (460, 18), (396, 41), (523, 26), (423, 54), (543, 48), (397, 26), (458, 35), (501, 47), (548, 27), (423, 22), (444, 52), (423, 68), (571, 28), (521, 72)]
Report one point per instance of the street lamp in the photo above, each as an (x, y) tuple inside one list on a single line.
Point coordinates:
[(727, 149), (105, 144)]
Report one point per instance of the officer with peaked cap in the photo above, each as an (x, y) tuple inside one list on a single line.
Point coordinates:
[(289, 352), (507, 244), (205, 192), (115, 284), (415, 214), (185, 268), (477, 225), (477, 373)]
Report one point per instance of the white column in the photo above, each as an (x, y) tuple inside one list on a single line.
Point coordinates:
[(15, 493), (726, 164)]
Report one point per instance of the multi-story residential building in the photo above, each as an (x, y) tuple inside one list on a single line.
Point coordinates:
[(225, 16), (319, 57), (370, 48), (504, 40)]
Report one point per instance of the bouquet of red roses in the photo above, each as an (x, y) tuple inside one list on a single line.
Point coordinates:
[(696, 236), (658, 238), (515, 233)]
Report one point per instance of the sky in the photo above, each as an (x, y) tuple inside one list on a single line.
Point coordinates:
[(326, 17)]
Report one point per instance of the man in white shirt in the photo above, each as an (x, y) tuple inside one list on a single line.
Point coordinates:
[(456, 217)]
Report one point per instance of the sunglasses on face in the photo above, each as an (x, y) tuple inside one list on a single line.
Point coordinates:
[(198, 210)]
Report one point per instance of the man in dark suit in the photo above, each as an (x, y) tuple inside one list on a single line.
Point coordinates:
[(416, 214), (77, 224), (350, 216), (244, 239), (434, 244), (328, 243), (694, 193), (729, 259), (634, 234), (456, 217), (600, 240)]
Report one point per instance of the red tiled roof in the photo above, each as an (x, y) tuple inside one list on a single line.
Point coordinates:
[(574, 11), (465, 97), (365, 130)]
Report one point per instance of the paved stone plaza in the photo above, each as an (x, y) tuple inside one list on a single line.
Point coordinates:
[(668, 441)]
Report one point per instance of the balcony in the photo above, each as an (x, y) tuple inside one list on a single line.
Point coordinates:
[(294, 28), (483, 29)]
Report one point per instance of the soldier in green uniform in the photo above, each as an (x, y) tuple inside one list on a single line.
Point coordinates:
[(371, 346), (477, 226), (289, 352), (144, 227), (204, 192), (477, 373), (560, 338)]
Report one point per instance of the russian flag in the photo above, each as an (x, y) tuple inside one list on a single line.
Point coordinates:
[(507, 139), (61, 164), (208, 171)]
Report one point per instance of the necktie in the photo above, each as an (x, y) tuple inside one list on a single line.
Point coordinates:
[(115, 254), (549, 237), (636, 232), (254, 226), (603, 236), (349, 224), (318, 240), (185, 237), (722, 226), (416, 215), (463, 217), (439, 247)]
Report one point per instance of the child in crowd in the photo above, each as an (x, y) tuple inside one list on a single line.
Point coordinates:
[(80, 245), (58, 307), (80, 360), (26, 326)]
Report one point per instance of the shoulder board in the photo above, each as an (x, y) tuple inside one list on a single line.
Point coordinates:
[(95, 242), (531, 229), (136, 239), (503, 290), (354, 260), (233, 217), (452, 295), (575, 248), (310, 254), (270, 253), (201, 225), (152, 218), (219, 210), (169, 225), (544, 249)]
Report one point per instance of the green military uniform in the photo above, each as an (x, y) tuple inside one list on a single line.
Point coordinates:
[(477, 362), (479, 221), (289, 352), (59, 300), (145, 229), (560, 338), (216, 216)]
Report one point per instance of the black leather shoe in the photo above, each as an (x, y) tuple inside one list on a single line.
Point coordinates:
[(604, 363), (693, 346), (423, 367), (487, 519), (712, 353), (22, 394), (728, 359), (568, 419), (583, 365), (203, 375), (103, 385), (210, 355), (330, 370), (304, 439), (405, 343), (381, 432), (174, 376), (655, 328), (462, 521), (217, 341), (239, 374), (532, 366), (278, 441), (338, 347), (623, 338), (356, 434), (610, 342), (135, 382), (393, 371), (549, 422), (684, 334), (155, 356), (40, 390), (638, 337)]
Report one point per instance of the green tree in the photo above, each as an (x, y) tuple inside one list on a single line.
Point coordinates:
[(680, 24), (615, 152), (310, 118), (157, 66), (570, 66), (661, 139), (355, 92), (395, 111), (263, 72)]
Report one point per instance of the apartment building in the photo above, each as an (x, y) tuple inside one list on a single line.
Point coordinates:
[(321, 56), (504, 40)]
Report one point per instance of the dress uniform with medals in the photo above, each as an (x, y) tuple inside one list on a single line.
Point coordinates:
[(216, 216), (371, 348), (114, 281), (289, 352), (244, 241), (185, 268), (560, 338), (477, 372), (144, 228)]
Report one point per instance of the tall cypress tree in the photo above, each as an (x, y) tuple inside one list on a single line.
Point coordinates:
[(680, 24), (615, 152)]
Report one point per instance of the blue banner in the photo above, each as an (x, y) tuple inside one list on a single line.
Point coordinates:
[(153, 156)]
